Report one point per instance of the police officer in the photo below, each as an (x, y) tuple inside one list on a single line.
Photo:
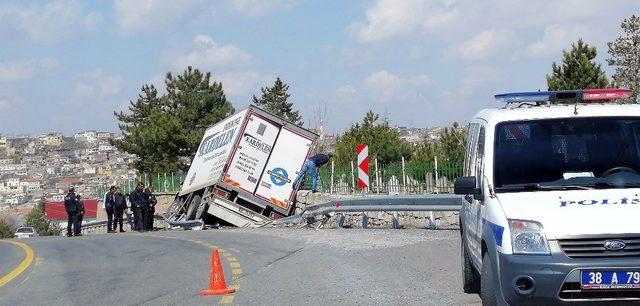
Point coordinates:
[(119, 206), (131, 217), (108, 207), (71, 206), (151, 199), (77, 228), (139, 204)]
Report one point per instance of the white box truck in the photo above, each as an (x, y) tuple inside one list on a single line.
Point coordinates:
[(244, 169)]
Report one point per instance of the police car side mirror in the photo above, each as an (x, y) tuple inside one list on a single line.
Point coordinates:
[(466, 185)]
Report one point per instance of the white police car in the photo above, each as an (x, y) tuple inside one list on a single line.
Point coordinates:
[(553, 199)]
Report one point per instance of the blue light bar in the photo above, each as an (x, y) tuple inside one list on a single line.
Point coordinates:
[(580, 95), (515, 97)]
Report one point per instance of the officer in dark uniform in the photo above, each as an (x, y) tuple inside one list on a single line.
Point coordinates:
[(77, 228), (151, 199), (71, 206), (119, 206), (139, 204), (108, 207), (130, 212)]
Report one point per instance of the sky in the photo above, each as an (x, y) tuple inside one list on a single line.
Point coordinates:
[(66, 65)]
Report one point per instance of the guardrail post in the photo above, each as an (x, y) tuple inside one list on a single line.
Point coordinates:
[(332, 171), (375, 161), (353, 179), (404, 178), (394, 220), (365, 220), (341, 218), (432, 221), (435, 164)]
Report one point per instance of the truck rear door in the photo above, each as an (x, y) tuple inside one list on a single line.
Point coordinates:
[(288, 157), (251, 154)]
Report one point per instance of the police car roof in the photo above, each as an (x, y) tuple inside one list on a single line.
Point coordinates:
[(496, 115)]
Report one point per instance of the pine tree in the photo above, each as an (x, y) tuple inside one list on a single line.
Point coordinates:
[(165, 132), (578, 71), (156, 143), (276, 101), (196, 105), (625, 56), (141, 108), (139, 112)]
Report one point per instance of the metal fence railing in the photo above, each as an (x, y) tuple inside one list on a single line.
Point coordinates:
[(395, 178), (404, 177), (167, 183)]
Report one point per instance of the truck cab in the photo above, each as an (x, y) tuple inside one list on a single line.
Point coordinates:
[(552, 189)]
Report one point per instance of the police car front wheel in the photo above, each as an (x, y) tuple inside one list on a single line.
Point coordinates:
[(470, 277), (488, 283)]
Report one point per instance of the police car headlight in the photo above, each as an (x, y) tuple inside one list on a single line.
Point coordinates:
[(527, 237)]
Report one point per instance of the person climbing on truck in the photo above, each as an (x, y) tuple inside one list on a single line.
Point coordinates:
[(312, 165)]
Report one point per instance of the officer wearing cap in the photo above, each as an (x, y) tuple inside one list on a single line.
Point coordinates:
[(71, 206), (140, 207), (77, 228)]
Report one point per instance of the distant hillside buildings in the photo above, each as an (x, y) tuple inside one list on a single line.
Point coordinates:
[(42, 168)]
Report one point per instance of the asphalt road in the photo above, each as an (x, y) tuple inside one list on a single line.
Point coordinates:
[(266, 266), (10, 257)]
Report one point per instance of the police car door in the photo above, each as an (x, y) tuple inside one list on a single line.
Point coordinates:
[(475, 209)]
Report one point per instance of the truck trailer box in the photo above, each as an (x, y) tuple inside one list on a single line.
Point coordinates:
[(245, 167)]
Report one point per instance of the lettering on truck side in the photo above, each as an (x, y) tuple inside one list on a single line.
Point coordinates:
[(216, 141), (256, 143)]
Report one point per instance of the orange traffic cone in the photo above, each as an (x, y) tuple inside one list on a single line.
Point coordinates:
[(217, 285)]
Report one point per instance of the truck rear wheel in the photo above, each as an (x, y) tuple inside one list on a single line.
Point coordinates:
[(174, 210), (202, 208), (193, 207)]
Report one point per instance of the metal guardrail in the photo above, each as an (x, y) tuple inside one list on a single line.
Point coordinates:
[(94, 226), (426, 202)]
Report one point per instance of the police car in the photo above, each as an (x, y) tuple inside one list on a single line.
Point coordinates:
[(552, 189)]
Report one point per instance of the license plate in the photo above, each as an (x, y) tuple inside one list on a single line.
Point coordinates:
[(610, 279)]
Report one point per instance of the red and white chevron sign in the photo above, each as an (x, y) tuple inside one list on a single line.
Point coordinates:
[(363, 166)]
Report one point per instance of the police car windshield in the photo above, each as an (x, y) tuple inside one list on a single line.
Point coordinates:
[(602, 152), (25, 230)]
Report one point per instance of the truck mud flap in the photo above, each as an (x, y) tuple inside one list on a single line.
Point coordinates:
[(234, 214)]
